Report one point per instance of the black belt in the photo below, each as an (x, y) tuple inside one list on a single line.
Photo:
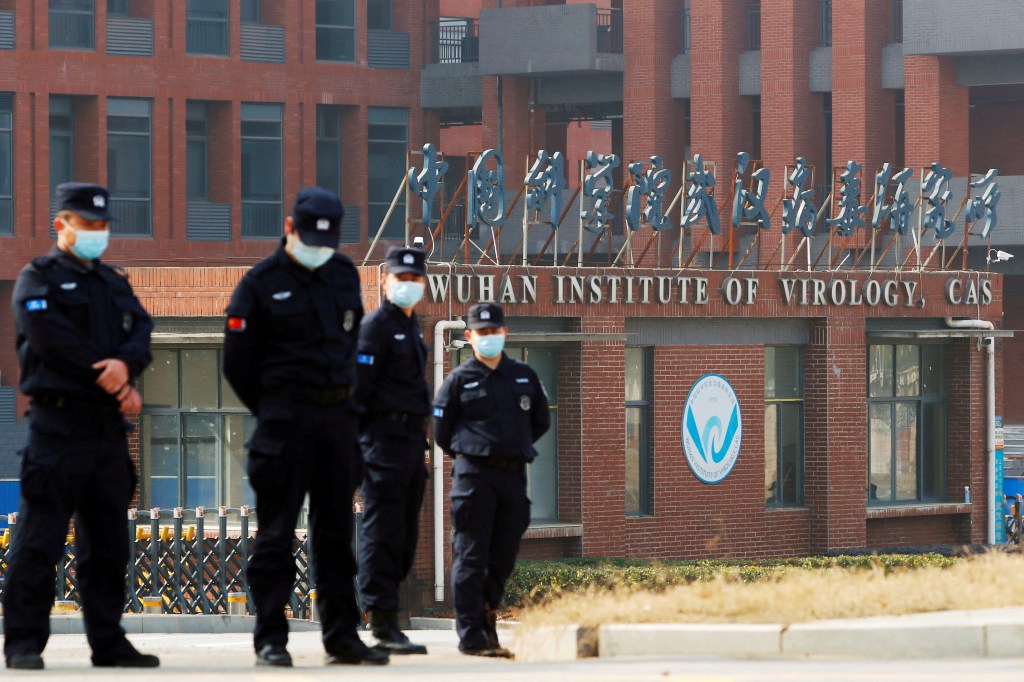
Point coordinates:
[(80, 406), (312, 395), (418, 421), (503, 463)]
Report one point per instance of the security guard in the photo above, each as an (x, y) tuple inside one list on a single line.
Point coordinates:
[(395, 402), (83, 340), (487, 415), (289, 353)]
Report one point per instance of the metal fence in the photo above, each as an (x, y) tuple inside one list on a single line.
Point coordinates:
[(454, 41), (609, 31), (191, 562)]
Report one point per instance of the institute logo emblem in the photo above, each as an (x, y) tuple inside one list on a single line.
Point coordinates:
[(712, 428)]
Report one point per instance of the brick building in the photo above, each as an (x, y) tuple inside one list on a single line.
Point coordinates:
[(860, 413)]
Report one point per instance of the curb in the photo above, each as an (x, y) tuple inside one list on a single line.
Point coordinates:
[(423, 623), (172, 623)]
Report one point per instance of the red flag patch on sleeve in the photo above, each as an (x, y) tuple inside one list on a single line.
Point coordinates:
[(236, 324)]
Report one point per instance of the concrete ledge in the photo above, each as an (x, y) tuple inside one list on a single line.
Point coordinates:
[(418, 623), (135, 624), (689, 639), (884, 638), (553, 643)]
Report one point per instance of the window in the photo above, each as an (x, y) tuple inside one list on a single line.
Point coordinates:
[(638, 429), (196, 151), (335, 30), (62, 141), (754, 26), (250, 11), (328, 147), (907, 423), (378, 15), (193, 433), (6, 163), (261, 170), (826, 23), (206, 27), (129, 164), (388, 141), (72, 24), (117, 7), (783, 426)]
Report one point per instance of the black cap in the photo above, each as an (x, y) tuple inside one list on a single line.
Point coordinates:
[(486, 316), (317, 217), (92, 202), (401, 260)]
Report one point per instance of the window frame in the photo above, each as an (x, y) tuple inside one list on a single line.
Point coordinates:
[(88, 28), (193, 23), (644, 406), (798, 402), (279, 202), (329, 29), (375, 11), (921, 402), (397, 216), (119, 227), (191, 138), (7, 164)]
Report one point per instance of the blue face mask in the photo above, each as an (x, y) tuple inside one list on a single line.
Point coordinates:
[(311, 257), (405, 294), (489, 346), (89, 244)]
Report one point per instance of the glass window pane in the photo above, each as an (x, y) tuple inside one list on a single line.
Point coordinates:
[(908, 370), (634, 448), (237, 430), (256, 111), (880, 467), (228, 399), (906, 451), (335, 12), (933, 370), (200, 376), (933, 453), (783, 372), (790, 442), (160, 380), (199, 445), (636, 373), (880, 383), (378, 15), (771, 454), (195, 169), (124, 106), (160, 460), (335, 44)]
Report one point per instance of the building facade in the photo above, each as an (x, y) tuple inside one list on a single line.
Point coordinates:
[(859, 403)]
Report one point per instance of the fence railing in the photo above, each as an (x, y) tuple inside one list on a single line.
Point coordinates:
[(609, 31), (206, 36), (190, 561), (454, 41), (71, 29)]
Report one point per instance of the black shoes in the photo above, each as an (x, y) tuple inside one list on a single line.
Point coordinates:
[(487, 651), (129, 659), (25, 662), (353, 652), (271, 655), (390, 638)]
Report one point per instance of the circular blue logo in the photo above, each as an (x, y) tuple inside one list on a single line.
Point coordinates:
[(712, 428)]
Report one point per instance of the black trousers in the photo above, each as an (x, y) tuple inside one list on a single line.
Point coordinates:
[(73, 466), (394, 479), (490, 513), (298, 450)]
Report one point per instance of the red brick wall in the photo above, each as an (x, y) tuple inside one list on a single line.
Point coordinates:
[(913, 531), (937, 114), (997, 138)]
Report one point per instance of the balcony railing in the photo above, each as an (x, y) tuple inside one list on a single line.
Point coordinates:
[(72, 30), (754, 26), (684, 25), (609, 31), (131, 216), (826, 23), (261, 218), (897, 21), (206, 36), (455, 41)]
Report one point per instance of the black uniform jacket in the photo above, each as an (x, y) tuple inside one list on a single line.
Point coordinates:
[(69, 315), (391, 363), (291, 327), (491, 413)]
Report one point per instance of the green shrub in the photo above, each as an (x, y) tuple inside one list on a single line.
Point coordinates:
[(534, 580)]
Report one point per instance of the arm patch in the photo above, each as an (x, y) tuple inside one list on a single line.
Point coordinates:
[(35, 305), (365, 359)]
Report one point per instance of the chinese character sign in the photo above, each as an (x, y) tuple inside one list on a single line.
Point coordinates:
[(700, 200), (898, 212), (486, 191), (749, 204), (545, 183), (983, 206), (799, 211), (850, 208), (597, 186), (935, 193), (426, 183), (652, 184)]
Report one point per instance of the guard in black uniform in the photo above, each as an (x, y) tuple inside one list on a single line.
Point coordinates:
[(394, 399), (289, 353), (83, 340), (487, 415)]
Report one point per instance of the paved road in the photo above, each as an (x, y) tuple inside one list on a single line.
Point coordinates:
[(228, 658)]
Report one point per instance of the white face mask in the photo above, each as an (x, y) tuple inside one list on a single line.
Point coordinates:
[(311, 257), (489, 345), (405, 294)]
